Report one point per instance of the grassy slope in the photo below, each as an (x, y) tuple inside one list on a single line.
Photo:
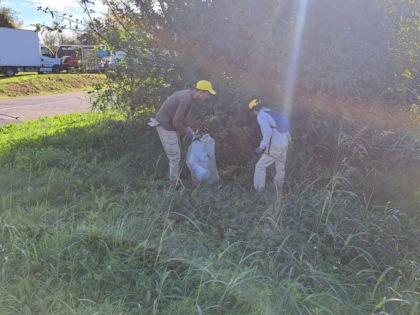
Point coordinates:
[(29, 84), (88, 226)]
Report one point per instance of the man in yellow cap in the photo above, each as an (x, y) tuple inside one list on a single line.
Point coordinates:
[(171, 122), (274, 146)]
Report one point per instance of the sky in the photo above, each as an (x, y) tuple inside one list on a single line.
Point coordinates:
[(26, 10)]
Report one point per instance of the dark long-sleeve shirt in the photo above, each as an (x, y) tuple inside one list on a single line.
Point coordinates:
[(174, 111)]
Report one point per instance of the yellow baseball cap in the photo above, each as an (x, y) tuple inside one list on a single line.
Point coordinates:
[(206, 86), (254, 103)]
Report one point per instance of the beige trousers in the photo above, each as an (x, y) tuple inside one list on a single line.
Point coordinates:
[(171, 144), (277, 155)]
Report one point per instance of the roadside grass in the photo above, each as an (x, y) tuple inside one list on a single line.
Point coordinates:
[(89, 226), (31, 83)]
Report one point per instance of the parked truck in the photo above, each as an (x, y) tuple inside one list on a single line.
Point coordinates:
[(88, 57), (71, 56), (21, 51)]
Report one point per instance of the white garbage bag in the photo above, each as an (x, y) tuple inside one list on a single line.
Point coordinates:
[(201, 160)]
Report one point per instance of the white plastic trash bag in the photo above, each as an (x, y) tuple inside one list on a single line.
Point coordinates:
[(201, 160)]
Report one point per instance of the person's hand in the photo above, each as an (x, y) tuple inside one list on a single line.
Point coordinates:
[(191, 135), (258, 150)]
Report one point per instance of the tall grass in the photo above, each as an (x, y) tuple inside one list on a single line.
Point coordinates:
[(89, 226)]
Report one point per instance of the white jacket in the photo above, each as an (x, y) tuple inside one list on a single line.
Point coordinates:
[(266, 121)]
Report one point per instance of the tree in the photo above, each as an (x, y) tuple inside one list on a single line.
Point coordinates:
[(8, 18), (54, 39), (344, 51), (245, 48), (403, 22), (87, 37), (165, 53)]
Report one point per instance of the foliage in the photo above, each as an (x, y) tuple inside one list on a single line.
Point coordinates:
[(366, 151), (337, 55), (53, 35), (165, 47), (89, 226), (340, 51), (8, 18), (53, 39), (404, 24), (246, 49)]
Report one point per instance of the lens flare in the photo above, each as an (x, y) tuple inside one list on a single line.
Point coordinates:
[(294, 57)]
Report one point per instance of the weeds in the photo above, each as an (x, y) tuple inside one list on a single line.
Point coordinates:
[(88, 227)]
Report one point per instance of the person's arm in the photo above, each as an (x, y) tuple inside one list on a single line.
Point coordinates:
[(266, 130), (180, 115)]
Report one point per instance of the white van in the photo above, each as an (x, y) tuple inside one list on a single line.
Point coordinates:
[(21, 51)]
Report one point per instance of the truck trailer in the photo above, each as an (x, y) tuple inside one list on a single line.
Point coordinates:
[(21, 51)]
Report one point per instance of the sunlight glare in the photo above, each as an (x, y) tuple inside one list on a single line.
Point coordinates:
[(292, 71)]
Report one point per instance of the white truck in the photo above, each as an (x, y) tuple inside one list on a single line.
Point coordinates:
[(21, 51)]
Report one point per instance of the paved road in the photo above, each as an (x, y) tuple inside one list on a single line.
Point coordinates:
[(28, 108)]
